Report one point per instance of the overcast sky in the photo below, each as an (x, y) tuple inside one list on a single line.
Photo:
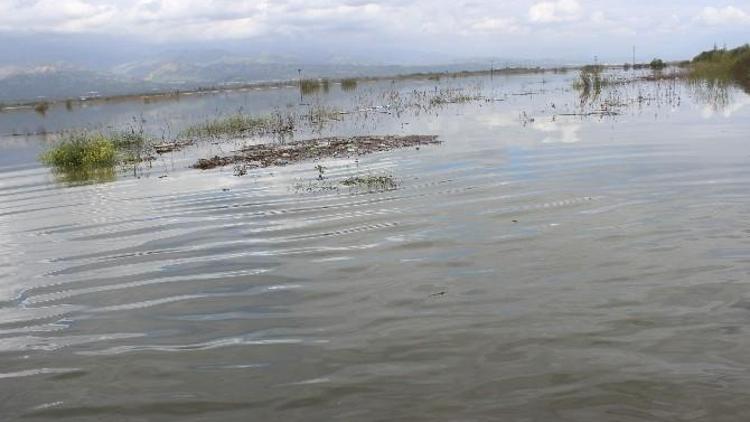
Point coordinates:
[(559, 29)]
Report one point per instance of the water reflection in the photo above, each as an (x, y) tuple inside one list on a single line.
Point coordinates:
[(560, 131)]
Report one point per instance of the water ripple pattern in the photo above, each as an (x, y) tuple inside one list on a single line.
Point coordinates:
[(507, 277)]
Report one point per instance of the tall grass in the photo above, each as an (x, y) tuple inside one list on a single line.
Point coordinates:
[(349, 84), (309, 86), (723, 65), (590, 80), (240, 125)]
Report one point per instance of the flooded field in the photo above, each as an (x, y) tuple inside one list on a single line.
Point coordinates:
[(561, 254)]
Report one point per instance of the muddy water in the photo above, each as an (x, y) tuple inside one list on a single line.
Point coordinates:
[(565, 268)]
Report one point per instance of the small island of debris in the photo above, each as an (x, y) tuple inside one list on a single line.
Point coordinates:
[(267, 155)]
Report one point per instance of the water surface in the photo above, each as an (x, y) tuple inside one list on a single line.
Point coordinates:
[(566, 268)]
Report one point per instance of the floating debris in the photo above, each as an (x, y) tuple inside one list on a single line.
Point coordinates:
[(171, 146), (268, 155)]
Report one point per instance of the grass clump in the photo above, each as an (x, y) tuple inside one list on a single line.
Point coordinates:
[(82, 151), (590, 80), (93, 157), (309, 86), (349, 84), (41, 107), (240, 125), (452, 97), (371, 182)]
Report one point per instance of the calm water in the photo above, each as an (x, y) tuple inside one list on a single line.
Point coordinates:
[(565, 268)]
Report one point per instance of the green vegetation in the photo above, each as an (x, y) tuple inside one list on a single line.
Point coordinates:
[(309, 86), (320, 113), (591, 81), (722, 65), (93, 156), (41, 107), (349, 84), (241, 125), (82, 151), (371, 182), (452, 96), (657, 64)]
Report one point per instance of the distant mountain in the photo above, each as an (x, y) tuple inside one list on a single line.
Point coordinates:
[(54, 82), (186, 70)]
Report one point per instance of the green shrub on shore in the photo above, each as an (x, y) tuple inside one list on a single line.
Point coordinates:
[(723, 65)]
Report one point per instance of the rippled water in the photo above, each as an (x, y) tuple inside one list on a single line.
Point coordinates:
[(562, 269)]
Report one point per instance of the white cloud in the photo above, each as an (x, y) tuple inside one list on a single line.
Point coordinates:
[(557, 11), (728, 15), (498, 25), (510, 28)]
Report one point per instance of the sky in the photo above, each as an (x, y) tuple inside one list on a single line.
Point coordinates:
[(387, 31)]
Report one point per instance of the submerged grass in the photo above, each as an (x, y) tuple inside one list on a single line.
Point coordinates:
[(240, 125), (452, 97), (371, 182)]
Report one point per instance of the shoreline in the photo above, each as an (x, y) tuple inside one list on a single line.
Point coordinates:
[(42, 106)]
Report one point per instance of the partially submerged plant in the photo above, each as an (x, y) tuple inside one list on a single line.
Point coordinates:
[(309, 86), (93, 156), (241, 125), (590, 82), (82, 151), (321, 171), (41, 107), (452, 96), (349, 84), (371, 182)]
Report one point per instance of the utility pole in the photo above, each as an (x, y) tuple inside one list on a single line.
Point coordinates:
[(492, 69)]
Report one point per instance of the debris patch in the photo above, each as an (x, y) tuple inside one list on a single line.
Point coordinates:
[(268, 155)]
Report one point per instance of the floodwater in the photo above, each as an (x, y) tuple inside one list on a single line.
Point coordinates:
[(533, 267)]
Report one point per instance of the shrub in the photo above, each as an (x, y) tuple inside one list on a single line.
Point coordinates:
[(723, 65), (657, 64), (82, 151)]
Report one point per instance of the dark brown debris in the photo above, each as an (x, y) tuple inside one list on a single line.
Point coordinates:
[(267, 155), (171, 146)]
